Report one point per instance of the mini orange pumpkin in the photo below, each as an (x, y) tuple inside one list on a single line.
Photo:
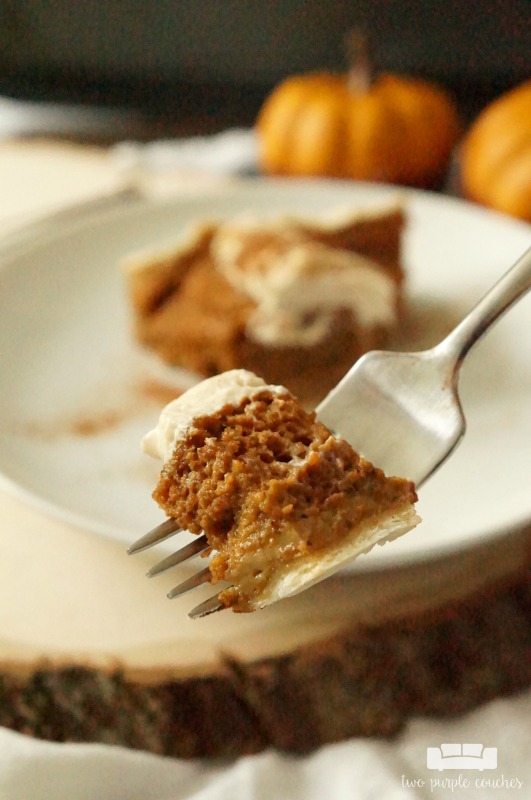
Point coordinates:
[(496, 154), (394, 129)]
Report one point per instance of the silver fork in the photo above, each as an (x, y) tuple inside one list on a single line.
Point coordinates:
[(400, 410)]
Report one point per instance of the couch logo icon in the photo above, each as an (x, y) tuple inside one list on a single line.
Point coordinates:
[(461, 756)]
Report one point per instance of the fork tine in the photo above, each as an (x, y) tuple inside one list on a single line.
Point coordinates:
[(207, 607), (196, 580), (189, 550), (154, 536)]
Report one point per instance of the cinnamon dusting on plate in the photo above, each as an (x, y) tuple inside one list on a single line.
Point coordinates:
[(99, 421)]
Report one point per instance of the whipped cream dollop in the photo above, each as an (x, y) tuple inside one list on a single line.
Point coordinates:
[(207, 397), (299, 284)]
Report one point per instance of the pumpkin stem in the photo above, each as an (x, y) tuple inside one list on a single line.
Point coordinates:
[(359, 75)]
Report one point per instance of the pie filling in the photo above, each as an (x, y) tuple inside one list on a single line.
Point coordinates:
[(282, 501)]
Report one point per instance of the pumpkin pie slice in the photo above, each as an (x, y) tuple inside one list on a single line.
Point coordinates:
[(296, 300), (282, 501)]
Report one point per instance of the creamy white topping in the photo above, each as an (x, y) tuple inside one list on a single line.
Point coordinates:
[(188, 241), (207, 397), (298, 285)]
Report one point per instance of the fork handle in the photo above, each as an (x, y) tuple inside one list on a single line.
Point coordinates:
[(510, 288)]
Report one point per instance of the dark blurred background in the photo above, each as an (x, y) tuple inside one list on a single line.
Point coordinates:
[(197, 66)]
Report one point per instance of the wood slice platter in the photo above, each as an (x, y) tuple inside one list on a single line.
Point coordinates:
[(92, 651)]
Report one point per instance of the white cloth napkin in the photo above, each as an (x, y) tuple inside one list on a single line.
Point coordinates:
[(353, 770), (230, 152)]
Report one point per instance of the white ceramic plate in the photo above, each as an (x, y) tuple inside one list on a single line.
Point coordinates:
[(76, 394)]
